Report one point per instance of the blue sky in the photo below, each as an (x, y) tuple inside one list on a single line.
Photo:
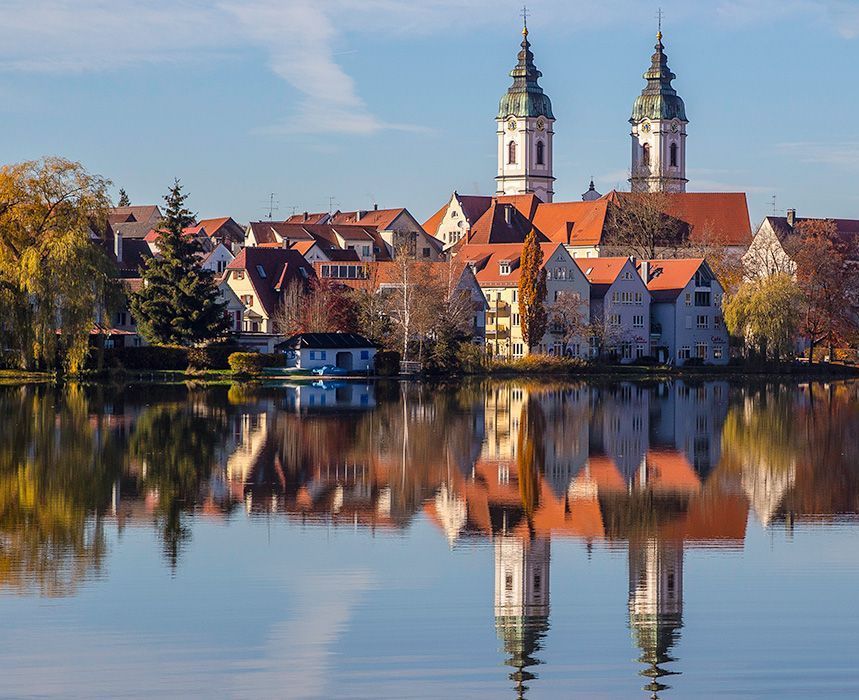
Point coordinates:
[(394, 101)]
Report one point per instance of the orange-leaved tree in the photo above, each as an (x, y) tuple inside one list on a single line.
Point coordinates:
[(532, 292)]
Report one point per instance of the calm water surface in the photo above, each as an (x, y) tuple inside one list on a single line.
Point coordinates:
[(503, 540)]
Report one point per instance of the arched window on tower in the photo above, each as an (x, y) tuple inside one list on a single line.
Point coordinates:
[(511, 153), (673, 155), (541, 153), (645, 155)]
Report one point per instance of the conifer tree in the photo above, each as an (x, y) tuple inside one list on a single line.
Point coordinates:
[(532, 292), (178, 303), (124, 201)]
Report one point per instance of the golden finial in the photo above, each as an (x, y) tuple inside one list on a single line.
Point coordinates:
[(525, 20), (659, 14)]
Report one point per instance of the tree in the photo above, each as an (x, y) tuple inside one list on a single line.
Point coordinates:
[(766, 314), (178, 303), (826, 281), (636, 224), (568, 316), (322, 306), (124, 201), (532, 292), (54, 278)]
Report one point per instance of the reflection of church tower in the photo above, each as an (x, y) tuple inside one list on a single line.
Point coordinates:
[(655, 603), (521, 602)]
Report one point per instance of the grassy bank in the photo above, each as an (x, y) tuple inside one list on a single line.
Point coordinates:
[(14, 376)]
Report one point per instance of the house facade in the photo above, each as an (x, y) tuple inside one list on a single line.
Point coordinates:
[(497, 270), (686, 311), (347, 351), (619, 309)]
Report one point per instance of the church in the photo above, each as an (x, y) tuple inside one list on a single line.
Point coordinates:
[(525, 183)]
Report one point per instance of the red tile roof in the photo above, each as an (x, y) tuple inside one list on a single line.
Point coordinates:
[(667, 278), (486, 261), (279, 266)]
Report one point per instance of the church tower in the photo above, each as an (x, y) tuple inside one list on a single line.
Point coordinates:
[(658, 131), (525, 132)]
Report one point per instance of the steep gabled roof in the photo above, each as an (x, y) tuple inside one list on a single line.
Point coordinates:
[(573, 223), (144, 214), (501, 223), (485, 260), (667, 278), (601, 273), (270, 270)]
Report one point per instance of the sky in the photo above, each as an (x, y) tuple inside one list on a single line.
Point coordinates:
[(346, 103)]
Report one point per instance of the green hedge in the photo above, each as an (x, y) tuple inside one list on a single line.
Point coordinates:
[(211, 356), (253, 362), (152, 357)]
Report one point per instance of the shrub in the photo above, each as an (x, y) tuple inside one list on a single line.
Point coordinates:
[(538, 364), (253, 362), (211, 356), (470, 358), (387, 363)]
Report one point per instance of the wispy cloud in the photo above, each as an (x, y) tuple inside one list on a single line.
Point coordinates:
[(306, 42), (843, 154)]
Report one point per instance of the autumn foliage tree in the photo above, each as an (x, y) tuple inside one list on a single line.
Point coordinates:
[(766, 314), (55, 281), (826, 281), (637, 224), (318, 306), (532, 292)]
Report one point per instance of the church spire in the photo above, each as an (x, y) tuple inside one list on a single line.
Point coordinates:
[(659, 99), (525, 97)]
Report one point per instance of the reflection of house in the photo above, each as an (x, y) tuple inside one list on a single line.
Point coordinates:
[(348, 351), (329, 395)]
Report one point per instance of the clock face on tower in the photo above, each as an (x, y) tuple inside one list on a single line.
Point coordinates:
[(646, 127), (511, 125), (675, 127), (540, 124)]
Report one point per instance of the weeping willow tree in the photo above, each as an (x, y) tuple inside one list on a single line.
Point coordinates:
[(54, 282)]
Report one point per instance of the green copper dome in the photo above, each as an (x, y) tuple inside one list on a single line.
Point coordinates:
[(658, 100), (525, 98)]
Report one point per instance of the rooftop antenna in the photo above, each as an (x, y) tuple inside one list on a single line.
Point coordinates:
[(272, 205), (775, 211), (331, 201)]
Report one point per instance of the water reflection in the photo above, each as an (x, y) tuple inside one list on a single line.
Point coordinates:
[(655, 468)]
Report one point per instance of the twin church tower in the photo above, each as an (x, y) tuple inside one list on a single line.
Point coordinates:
[(526, 131)]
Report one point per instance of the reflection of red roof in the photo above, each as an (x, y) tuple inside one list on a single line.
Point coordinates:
[(668, 471)]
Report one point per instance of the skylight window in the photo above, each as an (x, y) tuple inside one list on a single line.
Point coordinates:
[(261, 271)]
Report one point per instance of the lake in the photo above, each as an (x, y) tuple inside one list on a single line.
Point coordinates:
[(400, 540)]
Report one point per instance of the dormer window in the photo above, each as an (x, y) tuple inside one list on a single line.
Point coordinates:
[(504, 266)]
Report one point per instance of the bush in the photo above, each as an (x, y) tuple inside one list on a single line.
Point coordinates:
[(253, 362), (538, 364), (694, 362), (387, 363), (211, 356)]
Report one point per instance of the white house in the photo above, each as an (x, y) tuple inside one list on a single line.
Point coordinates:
[(348, 351), (620, 306), (686, 311), (217, 259)]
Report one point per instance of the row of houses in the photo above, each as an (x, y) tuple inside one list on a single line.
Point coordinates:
[(669, 309)]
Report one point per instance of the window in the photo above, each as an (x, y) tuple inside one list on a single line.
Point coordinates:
[(639, 298), (317, 354), (365, 354), (517, 349), (511, 153), (717, 353), (684, 353), (640, 350), (702, 298), (614, 320), (515, 319), (645, 155), (701, 351), (247, 299), (255, 327), (365, 251), (222, 265), (504, 267), (425, 252), (541, 148), (239, 274), (626, 350), (688, 299), (261, 271), (515, 292), (673, 155), (638, 321), (703, 322), (121, 318)]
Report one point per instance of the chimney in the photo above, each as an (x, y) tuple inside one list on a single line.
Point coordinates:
[(306, 216), (791, 217), (117, 245), (645, 271), (375, 206)]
